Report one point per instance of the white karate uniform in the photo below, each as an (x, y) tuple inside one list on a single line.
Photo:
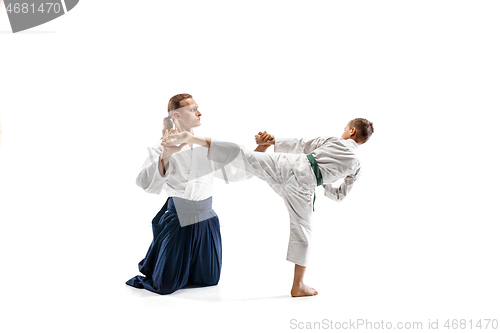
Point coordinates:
[(290, 174), (189, 174), (336, 159)]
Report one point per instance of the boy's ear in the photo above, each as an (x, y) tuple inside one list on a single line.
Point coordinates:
[(177, 115), (353, 131)]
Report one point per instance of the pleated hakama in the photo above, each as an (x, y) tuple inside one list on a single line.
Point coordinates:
[(182, 256)]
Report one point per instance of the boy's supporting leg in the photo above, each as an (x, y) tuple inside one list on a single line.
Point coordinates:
[(276, 171), (299, 289), (299, 204)]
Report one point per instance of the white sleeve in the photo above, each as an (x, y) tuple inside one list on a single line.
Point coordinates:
[(149, 179), (339, 193), (297, 146)]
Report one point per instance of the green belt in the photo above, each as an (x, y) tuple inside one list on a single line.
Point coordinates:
[(317, 173)]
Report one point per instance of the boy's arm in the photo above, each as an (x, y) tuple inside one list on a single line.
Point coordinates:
[(339, 193), (264, 140), (262, 148), (298, 146)]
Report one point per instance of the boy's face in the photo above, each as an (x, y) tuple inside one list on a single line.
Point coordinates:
[(348, 132)]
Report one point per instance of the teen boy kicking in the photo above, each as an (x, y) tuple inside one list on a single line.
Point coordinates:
[(293, 172)]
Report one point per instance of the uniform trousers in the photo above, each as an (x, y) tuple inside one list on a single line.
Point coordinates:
[(181, 256), (296, 190)]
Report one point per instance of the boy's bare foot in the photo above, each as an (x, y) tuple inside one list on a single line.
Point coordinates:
[(303, 290)]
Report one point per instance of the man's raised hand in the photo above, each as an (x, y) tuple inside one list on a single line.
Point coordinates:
[(170, 142), (173, 137)]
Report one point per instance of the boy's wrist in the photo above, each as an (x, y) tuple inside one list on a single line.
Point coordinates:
[(262, 148)]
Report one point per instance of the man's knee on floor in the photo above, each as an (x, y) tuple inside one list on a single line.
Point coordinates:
[(206, 280), (168, 289)]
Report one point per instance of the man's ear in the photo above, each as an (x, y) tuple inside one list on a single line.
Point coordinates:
[(177, 115), (353, 131)]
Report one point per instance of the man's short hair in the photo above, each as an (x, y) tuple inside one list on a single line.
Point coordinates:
[(175, 102), (364, 129)]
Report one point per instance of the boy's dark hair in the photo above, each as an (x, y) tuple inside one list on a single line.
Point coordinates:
[(364, 129)]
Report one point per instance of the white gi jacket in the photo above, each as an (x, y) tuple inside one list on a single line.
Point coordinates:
[(290, 174), (336, 159), (189, 173)]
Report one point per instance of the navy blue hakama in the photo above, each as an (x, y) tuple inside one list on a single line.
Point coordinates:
[(182, 256)]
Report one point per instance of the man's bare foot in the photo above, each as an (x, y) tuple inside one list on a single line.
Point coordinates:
[(303, 290)]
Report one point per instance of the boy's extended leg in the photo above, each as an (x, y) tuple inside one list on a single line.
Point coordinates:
[(268, 167)]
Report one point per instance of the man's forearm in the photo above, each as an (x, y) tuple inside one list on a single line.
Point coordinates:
[(162, 164), (198, 140)]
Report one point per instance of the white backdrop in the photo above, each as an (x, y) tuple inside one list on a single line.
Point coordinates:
[(84, 95)]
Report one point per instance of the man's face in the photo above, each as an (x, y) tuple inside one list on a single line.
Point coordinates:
[(189, 116)]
